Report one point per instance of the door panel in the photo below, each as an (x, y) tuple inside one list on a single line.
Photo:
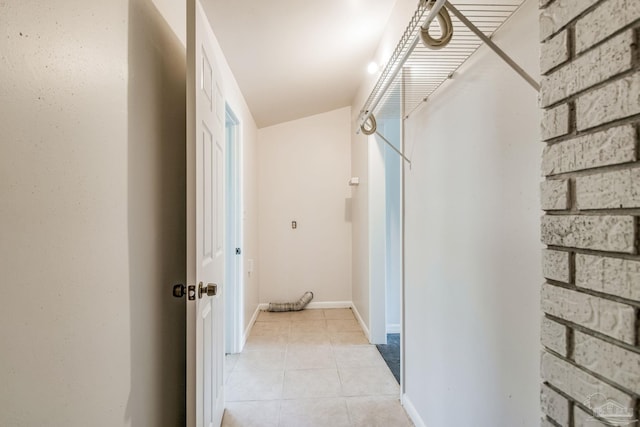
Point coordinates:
[(219, 196), (208, 202), (205, 225)]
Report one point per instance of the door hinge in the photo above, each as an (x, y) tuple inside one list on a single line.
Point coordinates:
[(238, 251)]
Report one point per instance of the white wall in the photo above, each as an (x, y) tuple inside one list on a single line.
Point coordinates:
[(303, 175), (92, 212), (472, 242), (360, 225), (250, 248), (92, 215), (174, 12)]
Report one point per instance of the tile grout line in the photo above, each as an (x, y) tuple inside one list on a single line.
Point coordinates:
[(335, 347)]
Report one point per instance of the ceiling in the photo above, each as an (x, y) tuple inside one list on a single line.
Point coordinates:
[(294, 58)]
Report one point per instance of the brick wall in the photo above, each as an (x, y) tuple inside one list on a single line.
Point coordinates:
[(590, 93)]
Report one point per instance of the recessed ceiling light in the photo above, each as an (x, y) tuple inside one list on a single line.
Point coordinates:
[(372, 68)]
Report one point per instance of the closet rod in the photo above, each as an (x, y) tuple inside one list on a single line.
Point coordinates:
[(493, 46), (374, 104)]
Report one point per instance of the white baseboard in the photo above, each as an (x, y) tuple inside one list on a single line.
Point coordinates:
[(317, 305), (247, 331), (329, 304), (363, 325), (411, 411), (393, 328)]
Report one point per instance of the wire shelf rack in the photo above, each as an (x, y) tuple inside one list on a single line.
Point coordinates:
[(414, 71)]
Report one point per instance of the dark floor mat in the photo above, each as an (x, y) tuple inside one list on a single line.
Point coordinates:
[(391, 354)]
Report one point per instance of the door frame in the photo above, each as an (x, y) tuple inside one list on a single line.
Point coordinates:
[(234, 315), (377, 242), (385, 264)]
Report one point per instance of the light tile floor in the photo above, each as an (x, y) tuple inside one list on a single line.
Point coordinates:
[(312, 368)]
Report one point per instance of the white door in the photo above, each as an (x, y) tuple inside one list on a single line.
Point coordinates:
[(205, 225)]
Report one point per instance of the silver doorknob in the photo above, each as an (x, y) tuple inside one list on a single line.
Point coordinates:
[(211, 289)]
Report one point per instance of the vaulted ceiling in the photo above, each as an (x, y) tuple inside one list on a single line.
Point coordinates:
[(295, 58)]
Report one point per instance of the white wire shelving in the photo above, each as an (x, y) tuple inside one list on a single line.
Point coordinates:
[(414, 72)]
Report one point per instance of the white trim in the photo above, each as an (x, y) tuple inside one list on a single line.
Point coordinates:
[(411, 411), (330, 304), (393, 328), (377, 241), (361, 322), (233, 295), (247, 331)]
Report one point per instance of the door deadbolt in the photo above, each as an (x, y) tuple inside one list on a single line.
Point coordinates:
[(179, 291), (211, 290)]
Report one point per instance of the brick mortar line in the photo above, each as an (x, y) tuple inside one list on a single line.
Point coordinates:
[(637, 234), (573, 118), (590, 412), (574, 401), (570, 28), (572, 194), (571, 22), (561, 284), (541, 8), (571, 45), (596, 212), (551, 420), (570, 344), (605, 380), (631, 26), (595, 334), (560, 392), (554, 422), (572, 267), (560, 248), (634, 119), (572, 406), (636, 39), (637, 129), (593, 171), (637, 328), (595, 252), (573, 97), (602, 295)]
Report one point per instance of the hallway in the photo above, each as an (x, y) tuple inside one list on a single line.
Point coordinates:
[(310, 368)]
